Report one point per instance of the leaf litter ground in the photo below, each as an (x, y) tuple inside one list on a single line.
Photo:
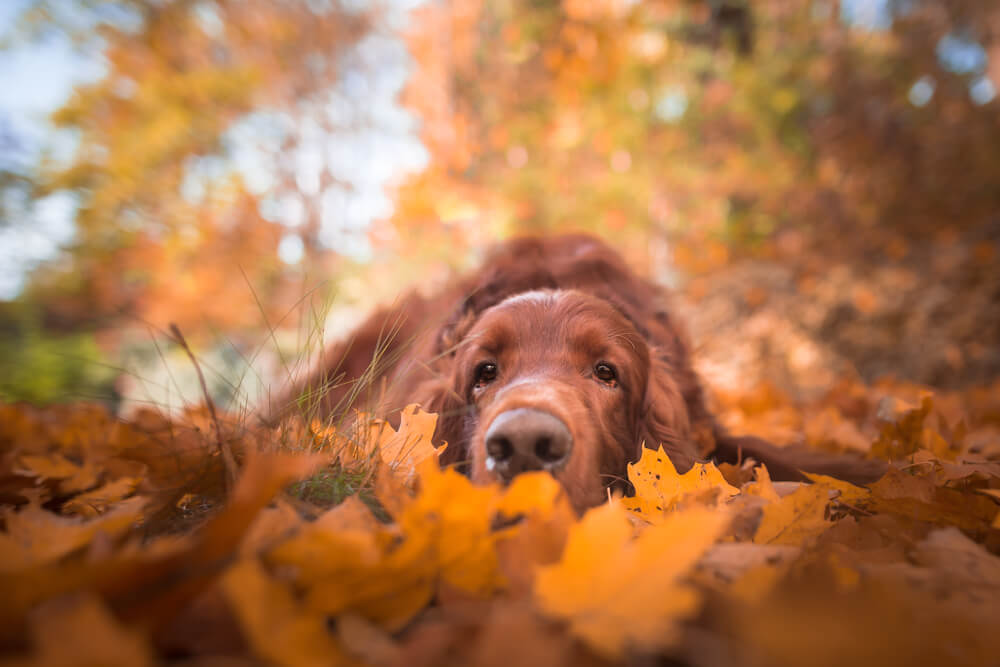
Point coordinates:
[(120, 547)]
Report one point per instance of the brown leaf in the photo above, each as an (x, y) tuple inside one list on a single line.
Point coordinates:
[(919, 498), (902, 428), (96, 502), (80, 630), (36, 537)]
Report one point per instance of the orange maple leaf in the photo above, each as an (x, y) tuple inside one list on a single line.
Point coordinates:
[(659, 487)]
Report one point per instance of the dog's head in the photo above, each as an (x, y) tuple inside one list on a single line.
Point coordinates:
[(557, 380)]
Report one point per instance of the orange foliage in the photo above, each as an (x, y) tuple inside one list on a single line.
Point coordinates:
[(457, 566)]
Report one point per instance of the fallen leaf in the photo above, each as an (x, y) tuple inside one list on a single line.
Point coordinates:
[(918, 498), (280, 629), (36, 537), (350, 515), (539, 515), (48, 466), (79, 630), (762, 487), (729, 561), (391, 491), (962, 468), (271, 526), (411, 444), (616, 592), (366, 642), (458, 515), (796, 518), (659, 487), (96, 502), (848, 493), (902, 427), (534, 492)]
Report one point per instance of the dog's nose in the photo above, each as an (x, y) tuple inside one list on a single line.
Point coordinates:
[(526, 439)]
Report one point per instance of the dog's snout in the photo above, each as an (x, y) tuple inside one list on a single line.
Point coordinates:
[(527, 439)]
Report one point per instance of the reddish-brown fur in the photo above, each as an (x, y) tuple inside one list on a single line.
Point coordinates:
[(546, 311)]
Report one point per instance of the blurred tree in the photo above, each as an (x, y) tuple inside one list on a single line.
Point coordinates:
[(166, 222), (864, 124)]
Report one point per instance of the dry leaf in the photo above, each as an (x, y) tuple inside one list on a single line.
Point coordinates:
[(79, 630), (93, 503), (616, 592), (279, 628), (35, 536), (762, 487), (796, 518), (848, 493), (918, 498), (658, 486), (408, 446)]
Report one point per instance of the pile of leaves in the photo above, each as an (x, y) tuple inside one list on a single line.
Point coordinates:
[(122, 546)]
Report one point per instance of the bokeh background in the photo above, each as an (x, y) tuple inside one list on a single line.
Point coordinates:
[(818, 180)]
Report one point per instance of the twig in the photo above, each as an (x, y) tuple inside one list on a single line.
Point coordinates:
[(228, 460)]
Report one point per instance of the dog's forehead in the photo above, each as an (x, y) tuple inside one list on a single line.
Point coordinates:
[(540, 297), (553, 308)]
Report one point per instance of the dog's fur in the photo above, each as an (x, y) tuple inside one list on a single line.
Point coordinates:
[(547, 312)]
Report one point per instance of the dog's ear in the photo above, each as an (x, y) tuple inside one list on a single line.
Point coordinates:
[(666, 420), (453, 331)]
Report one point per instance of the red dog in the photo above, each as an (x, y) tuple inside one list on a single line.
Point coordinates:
[(553, 356)]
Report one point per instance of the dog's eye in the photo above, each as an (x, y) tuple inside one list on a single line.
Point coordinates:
[(605, 372), (486, 372)]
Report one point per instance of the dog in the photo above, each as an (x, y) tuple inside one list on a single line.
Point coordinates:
[(553, 356)]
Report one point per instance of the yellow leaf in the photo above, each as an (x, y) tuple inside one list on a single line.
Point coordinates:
[(531, 492), (406, 448), (350, 515), (995, 493), (796, 518), (317, 554), (458, 514), (379, 574), (278, 627), (388, 591), (269, 527), (763, 487), (658, 486), (391, 491), (849, 494), (389, 574), (538, 512), (617, 592)]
